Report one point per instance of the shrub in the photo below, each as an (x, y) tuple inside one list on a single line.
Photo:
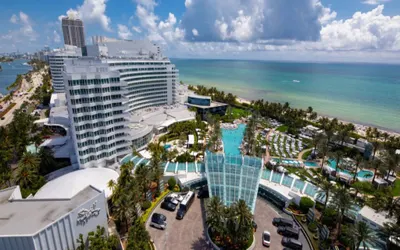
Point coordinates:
[(171, 183), (146, 205), (305, 204), (329, 217), (313, 227)]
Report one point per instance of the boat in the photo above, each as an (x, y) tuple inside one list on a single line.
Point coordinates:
[(296, 81)]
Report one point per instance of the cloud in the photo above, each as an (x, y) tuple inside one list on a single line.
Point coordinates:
[(195, 32), (25, 31), (124, 32), (57, 38), (375, 2), (364, 31), (137, 29), (150, 4), (91, 11), (236, 20), (14, 19)]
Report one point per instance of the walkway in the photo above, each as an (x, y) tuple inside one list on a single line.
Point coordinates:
[(300, 156), (267, 155)]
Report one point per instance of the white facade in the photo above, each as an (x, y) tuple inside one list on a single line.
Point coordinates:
[(52, 224), (151, 78), (97, 110), (56, 62)]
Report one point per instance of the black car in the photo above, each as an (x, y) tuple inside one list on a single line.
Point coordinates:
[(157, 221), (168, 206), (292, 243), (161, 216), (289, 232), (282, 222)]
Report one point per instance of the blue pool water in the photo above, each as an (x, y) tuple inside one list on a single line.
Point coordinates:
[(311, 164), (167, 146), (366, 174), (232, 138)]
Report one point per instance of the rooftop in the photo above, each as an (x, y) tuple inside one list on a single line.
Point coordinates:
[(213, 104), (72, 183), (28, 216), (378, 218)]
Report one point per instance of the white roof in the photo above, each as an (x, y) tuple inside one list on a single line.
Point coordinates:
[(72, 183), (378, 218)]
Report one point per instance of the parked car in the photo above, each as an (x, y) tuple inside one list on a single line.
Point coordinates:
[(282, 222), (266, 239), (158, 222), (292, 243), (171, 200), (289, 232), (178, 197), (168, 206), (254, 224), (163, 217)]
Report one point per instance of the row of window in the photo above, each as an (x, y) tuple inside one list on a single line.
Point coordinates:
[(138, 63), (93, 91), (147, 99), (95, 108), (147, 74), (100, 148), (148, 104), (142, 90), (142, 87), (102, 155), (152, 93), (141, 69), (98, 124), (97, 116), (95, 99), (97, 133), (93, 81)]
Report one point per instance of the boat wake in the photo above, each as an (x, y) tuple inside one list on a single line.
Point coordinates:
[(296, 81)]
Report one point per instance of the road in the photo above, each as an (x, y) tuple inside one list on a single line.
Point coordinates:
[(19, 100)]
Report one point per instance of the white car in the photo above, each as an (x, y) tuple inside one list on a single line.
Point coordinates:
[(266, 238), (176, 197)]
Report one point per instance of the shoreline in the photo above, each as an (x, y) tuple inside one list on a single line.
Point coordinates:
[(7, 92), (359, 127)]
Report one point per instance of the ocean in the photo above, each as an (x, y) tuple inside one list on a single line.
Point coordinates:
[(367, 94), (10, 72)]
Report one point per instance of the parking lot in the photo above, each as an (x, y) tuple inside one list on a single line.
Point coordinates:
[(184, 234), (189, 233)]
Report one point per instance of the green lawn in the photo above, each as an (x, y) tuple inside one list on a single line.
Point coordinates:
[(396, 188), (282, 128), (239, 113)]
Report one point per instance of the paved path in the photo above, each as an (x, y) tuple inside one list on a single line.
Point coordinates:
[(300, 156)]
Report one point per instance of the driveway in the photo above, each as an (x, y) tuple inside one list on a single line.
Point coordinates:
[(184, 234)]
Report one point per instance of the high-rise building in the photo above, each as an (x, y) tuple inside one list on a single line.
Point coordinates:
[(56, 62), (73, 32), (97, 111)]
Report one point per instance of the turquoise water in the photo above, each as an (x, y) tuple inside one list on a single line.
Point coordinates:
[(361, 93), (311, 164), (366, 174), (232, 138), (10, 72)]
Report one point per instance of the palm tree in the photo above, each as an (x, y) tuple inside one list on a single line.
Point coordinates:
[(359, 160), (342, 201), (391, 162), (317, 140), (327, 187), (363, 234), (244, 219), (215, 215), (142, 176), (375, 164), (337, 156), (324, 150), (26, 176)]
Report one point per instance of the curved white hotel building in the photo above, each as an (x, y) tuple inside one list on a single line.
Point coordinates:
[(108, 92)]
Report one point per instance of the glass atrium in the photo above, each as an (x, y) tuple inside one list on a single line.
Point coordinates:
[(233, 178)]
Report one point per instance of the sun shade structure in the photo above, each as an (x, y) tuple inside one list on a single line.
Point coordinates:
[(233, 178)]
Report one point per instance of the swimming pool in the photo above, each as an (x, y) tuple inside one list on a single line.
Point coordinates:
[(311, 164), (167, 146), (365, 174), (232, 138)]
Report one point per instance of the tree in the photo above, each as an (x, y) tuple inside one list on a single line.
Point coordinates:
[(215, 215), (171, 183), (305, 204), (342, 201), (375, 164), (327, 187), (142, 176), (337, 155), (47, 161), (244, 218), (27, 172), (138, 237), (98, 240), (363, 234)]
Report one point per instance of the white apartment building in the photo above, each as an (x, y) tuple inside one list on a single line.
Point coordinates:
[(56, 62), (97, 111)]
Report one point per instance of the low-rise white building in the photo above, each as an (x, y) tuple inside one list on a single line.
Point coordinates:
[(49, 223), (375, 220)]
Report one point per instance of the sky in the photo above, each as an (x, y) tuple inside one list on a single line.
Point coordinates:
[(298, 30)]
